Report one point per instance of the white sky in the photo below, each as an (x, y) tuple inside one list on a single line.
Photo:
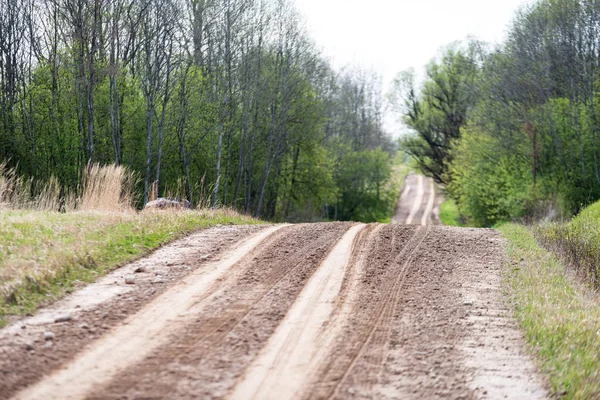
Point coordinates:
[(389, 36)]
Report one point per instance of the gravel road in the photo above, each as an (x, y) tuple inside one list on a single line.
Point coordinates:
[(411, 310)]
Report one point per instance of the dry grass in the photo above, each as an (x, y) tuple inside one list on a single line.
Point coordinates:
[(17, 192), (106, 188), (43, 255), (560, 316)]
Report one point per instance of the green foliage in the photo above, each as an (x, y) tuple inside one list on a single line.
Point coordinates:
[(437, 113), (531, 113), (255, 119), (449, 214), (362, 181), (489, 187)]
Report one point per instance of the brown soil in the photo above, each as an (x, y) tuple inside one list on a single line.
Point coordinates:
[(315, 311), (99, 307)]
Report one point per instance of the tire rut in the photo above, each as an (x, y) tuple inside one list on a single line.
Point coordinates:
[(378, 335), (317, 311), (205, 357), (286, 362)]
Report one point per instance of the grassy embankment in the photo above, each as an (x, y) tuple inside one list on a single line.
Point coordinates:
[(552, 291), (45, 254)]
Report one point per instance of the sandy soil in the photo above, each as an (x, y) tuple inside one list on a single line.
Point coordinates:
[(312, 311), (419, 203)]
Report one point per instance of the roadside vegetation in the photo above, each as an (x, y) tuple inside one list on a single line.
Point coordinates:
[(225, 102), (449, 214), (559, 315), (511, 132), (577, 243), (45, 253)]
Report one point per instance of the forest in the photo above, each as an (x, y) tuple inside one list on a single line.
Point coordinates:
[(220, 102), (513, 131)]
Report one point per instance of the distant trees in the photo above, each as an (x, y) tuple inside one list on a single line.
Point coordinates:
[(219, 101), (530, 139)]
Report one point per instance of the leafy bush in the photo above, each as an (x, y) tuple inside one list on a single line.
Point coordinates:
[(450, 214), (488, 186)]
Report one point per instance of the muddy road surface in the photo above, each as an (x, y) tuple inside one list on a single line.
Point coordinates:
[(310, 311)]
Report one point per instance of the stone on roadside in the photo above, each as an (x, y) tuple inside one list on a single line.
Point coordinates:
[(168, 204), (49, 336), (140, 270), (63, 318), (130, 280)]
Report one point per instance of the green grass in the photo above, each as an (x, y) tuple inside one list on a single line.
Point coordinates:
[(44, 255), (577, 243), (560, 317), (449, 214), (395, 186)]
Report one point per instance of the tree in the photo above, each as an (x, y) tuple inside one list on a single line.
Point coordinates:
[(439, 110)]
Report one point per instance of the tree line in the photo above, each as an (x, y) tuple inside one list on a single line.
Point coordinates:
[(221, 102), (513, 131)]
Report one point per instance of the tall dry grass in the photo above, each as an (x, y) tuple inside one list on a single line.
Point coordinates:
[(106, 188), (19, 193)]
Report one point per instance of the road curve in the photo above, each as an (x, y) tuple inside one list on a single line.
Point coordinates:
[(310, 311)]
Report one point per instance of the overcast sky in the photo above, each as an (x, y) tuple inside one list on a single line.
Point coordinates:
[(389, 36)]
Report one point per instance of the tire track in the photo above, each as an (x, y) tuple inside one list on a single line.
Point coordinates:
[(417, 203), (292, 353), (426, 220), (386, 310), (236, 322), (143, 333), (368, 286)]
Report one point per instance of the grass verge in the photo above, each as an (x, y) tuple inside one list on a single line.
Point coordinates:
[(449, 214), (560, 317), (394, 189), (577, 243), (44, 255)]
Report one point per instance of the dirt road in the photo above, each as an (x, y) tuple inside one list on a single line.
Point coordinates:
[(419, 203), (312, 311)]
